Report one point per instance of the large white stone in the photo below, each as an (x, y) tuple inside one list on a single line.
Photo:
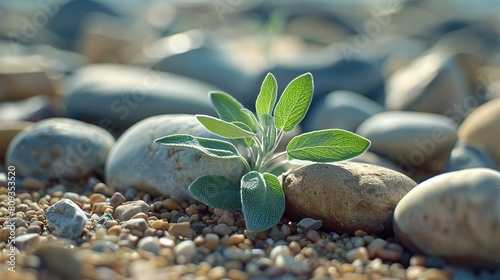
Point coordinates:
[(455, 216), (136, 161)]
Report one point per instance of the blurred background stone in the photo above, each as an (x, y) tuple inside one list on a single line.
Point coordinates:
[(116, 97)]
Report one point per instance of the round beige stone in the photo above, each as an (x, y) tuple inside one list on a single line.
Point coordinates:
[(482, 126), (346, 196), (455, 216)]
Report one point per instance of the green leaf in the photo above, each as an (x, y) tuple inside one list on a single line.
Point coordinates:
[(247, 141), (210, 147), (252, 118), (267, 97), (328, 145), (223, 128), (216, 191), (229, 109), (294, 102), (263, 201)]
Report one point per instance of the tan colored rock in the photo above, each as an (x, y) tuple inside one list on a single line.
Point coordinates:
[(482, 127), (432, 83), (23, 77), (455, 216), (8, 130), (346, 196)]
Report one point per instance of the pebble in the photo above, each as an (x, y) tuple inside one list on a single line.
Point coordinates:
[(280, 250), (306, 224), (375, 245), (312, 235), (124, 171), (360, 253), (105, 246), (126, 211), (117, 199), (65, 219), (237, 254), (211, 241), (150, 244), (27, 241), (171, 205), (346, 196), (466, 155), (481, 128), (60, 148), (185, 251), (414, 140), (341, 109), (182, 229), (119, 96), (222, 229), (433, 83), (236, 239), (138, 224), (226, 218), (450, 216)]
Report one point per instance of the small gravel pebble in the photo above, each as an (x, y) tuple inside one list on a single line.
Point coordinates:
[(185, 251), (222, 229), (309, 224), (182, 229)]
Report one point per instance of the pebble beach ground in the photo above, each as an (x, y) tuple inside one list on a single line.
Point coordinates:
[(176, 239)]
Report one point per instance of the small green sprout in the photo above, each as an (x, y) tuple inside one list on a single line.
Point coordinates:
[(260, 194)]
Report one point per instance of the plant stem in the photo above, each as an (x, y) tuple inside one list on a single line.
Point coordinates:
[(277, 142), (270, 161), (245, 162)]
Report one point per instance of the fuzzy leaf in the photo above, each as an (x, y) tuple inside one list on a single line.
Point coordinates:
[(223, 128), (267, 97), (229, 109), (252, 118), (210, 147), (327, 145), (294, 102), (262, 199), (216, 191)]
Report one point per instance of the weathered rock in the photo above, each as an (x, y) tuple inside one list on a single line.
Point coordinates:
[(150, 244), (66, 219), (346, 196), (207, 64), (341, 109), (8, 130), (23, 77), (413, 140), (117, 96), (126, 211), (467, 155), (60, 148), (433, 83), (136, 161), (185, 251), (481, 127), (454, 216)]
